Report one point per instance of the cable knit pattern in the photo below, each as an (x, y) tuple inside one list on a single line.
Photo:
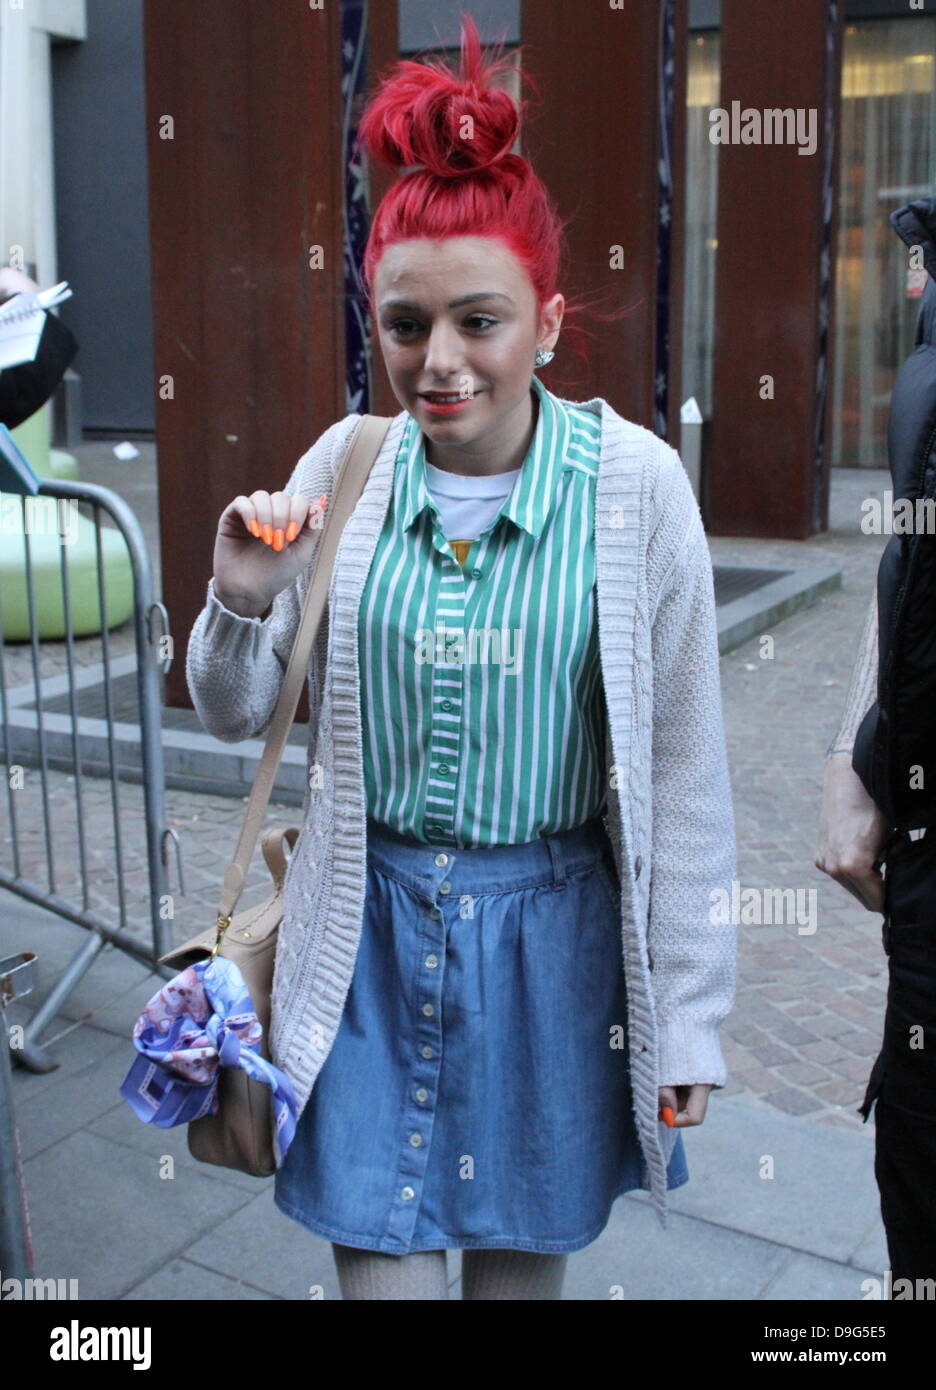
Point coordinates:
[(673, 831)]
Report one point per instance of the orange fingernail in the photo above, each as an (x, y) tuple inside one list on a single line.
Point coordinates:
[(278, 538), (268, 534), (292, 530), (668, 1117), (253, 527)]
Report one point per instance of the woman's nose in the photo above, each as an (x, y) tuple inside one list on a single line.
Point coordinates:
[(443, 355)]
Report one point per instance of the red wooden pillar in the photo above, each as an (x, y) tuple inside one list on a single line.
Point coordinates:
[(774, 274), (246, 180), (594, 136), (383, 53)]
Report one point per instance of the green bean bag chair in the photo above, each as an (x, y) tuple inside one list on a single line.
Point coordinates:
[(80, 553)]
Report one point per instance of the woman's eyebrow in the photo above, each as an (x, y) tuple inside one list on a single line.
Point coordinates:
[(453, 304)]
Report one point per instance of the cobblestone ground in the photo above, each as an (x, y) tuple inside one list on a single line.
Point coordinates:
[(809, 1015), (809, 1012)]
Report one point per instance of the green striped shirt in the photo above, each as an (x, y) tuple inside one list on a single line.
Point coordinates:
[(481, 694)]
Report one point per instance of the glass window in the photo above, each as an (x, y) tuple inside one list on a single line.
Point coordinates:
[(887, 159), (887, 150)]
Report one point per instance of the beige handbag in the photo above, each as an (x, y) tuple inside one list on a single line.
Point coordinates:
[(240, 1134)]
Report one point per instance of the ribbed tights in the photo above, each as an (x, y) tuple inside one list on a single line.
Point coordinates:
[(487, 1274)]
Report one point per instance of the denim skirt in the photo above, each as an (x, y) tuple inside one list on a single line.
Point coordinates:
[(477, 1093)]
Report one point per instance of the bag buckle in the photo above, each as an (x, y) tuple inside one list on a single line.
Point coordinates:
[(223, 924)]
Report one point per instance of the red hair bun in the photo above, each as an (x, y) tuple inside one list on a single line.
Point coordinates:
[(452, 125)]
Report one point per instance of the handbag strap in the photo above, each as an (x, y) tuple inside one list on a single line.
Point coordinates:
[(364, 446)]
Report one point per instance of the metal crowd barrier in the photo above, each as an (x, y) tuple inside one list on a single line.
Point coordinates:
[(36, 740), (17, 978)]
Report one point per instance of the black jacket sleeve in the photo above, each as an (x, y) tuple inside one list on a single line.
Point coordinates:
[(27, 386)]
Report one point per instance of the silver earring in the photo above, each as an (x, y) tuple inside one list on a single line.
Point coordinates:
[(542, 357)]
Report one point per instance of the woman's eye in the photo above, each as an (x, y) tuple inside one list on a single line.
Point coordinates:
[(400, 325)]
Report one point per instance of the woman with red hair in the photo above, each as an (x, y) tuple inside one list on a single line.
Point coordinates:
[(493, 1026)]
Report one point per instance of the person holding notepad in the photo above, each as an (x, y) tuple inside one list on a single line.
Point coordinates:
[(26, 387)]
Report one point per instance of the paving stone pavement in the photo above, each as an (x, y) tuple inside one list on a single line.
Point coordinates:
[(809, 1014)]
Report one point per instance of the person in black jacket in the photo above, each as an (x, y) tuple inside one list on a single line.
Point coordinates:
[(28, 385), (876, 804)]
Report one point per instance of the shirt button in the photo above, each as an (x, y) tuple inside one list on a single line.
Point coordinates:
[(446, 704), (443, 768), (445, 887), (426, 1051), (422, 1093), (432, 962), (407, 1194), (476, 573), (428, 1010), (415, 1140), (435, 914), (441, 860)]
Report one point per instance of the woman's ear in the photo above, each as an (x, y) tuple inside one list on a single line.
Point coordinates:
[(550, 322)]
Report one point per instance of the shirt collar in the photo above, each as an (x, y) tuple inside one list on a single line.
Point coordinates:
[(531, 497)]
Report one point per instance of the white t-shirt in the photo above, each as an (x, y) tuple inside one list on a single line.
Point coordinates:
[(467, 504)]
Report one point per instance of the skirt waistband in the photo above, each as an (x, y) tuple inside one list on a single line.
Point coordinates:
[(491, 869)]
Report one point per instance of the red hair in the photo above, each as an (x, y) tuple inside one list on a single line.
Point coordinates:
[(470, 184)]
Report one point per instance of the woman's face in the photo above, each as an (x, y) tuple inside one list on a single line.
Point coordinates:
[(458, 316)]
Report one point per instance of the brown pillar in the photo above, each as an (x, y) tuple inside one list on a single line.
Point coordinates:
[(246, 180), (774, 273), (594, 137)]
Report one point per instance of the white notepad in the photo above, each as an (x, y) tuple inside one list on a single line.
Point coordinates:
[(22, 320)]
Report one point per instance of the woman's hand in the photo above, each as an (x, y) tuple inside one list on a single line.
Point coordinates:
[(263, 542), (685, 1103), (851, 833)]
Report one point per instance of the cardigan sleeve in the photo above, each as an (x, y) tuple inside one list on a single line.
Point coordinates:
[(862, 688), (691, 937), (234, 666)]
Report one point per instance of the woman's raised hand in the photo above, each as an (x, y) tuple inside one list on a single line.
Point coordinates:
[(263, 542)]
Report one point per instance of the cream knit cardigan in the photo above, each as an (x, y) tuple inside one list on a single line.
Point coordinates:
[(672, 829)]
